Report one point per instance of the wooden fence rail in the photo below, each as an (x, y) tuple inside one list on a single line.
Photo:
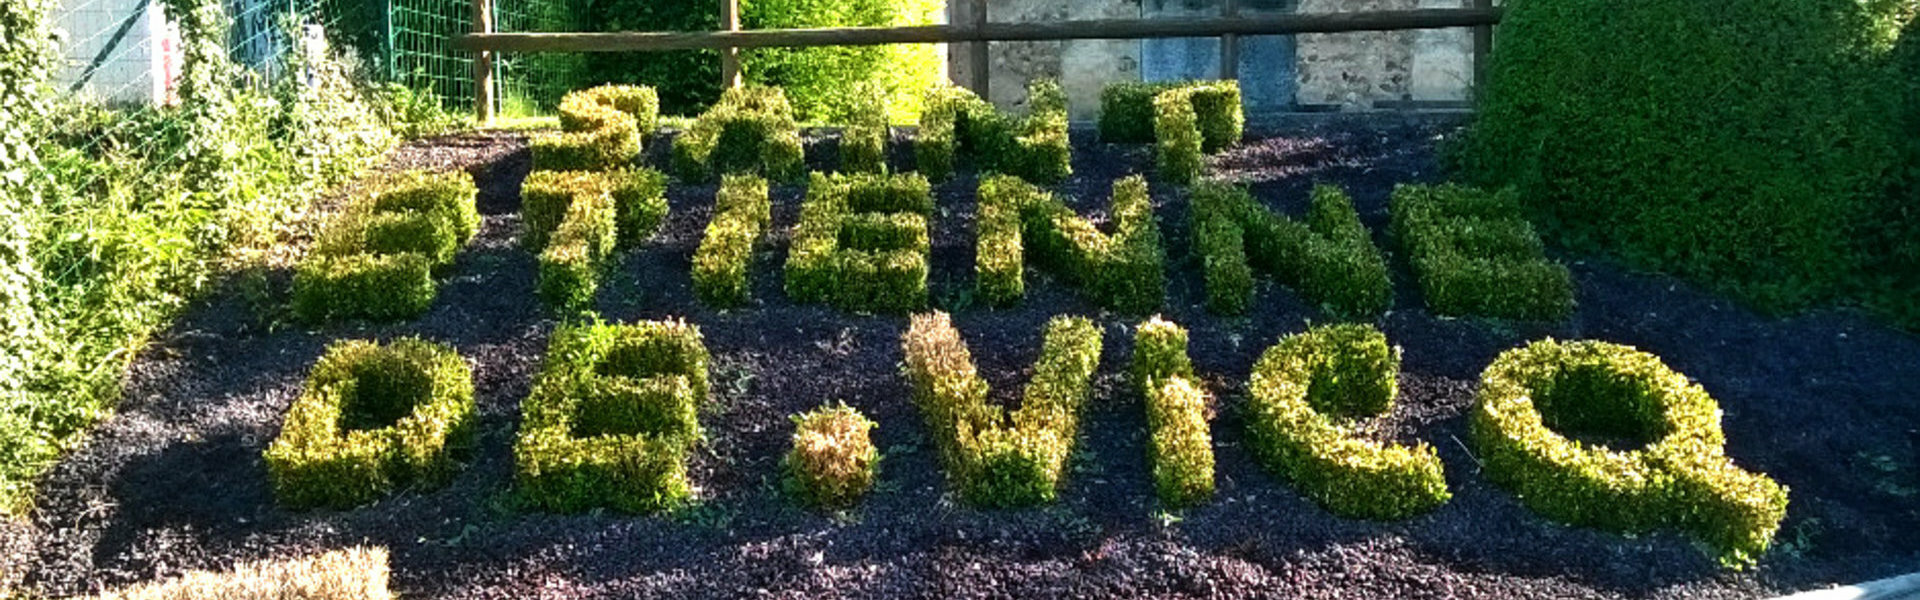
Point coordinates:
[(977, 31)]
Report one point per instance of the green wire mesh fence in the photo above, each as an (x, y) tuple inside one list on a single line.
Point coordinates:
[(421, 36)]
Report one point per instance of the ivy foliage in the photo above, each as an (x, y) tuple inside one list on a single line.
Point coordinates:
[(26, 56), (113, 219), (1741, 144)]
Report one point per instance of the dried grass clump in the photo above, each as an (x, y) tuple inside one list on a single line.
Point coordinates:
[(833, 461), (351, 574)]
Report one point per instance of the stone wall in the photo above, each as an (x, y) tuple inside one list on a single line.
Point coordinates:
[(1351, 71)]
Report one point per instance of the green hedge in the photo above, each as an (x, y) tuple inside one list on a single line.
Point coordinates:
[(750, 131), (1474, 255), (1127, 111), (1179, 443), (863, 243), (1304, 390), (1178, 144), (741, 214), (1124, 271), (575, 220), (936, 146), (994, 456), (1223, 121), (1896, 247), (833, 461), (1330, 259), (603, 129), (373, 418), (613, 417), (1128, 115), (863, 145), (639, 198), (451, 195), (601, 107), (376, 260), (1041, 151), (956, 121), (576, 251), (1739, 144), (366, 286), (1681, 476)]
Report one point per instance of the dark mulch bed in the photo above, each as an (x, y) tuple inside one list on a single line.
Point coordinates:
[(1825, 403)]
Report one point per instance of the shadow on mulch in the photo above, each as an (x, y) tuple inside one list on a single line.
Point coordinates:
[(1824, 403)]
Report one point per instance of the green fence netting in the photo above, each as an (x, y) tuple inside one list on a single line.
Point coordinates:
[(421, 32)]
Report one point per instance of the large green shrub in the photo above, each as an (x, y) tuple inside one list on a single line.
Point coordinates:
[(372, 418), (613, 417), (824, 82), (1739, 143), (1533, 400), (1898, 245), (998, 457), (1123, 270)]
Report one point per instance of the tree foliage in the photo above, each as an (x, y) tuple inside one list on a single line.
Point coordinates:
[(823, 83)]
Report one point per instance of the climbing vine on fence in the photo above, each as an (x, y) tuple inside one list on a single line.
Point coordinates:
[(205, 88), (26, 56)]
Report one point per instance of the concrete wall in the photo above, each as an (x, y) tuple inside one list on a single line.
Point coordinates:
[(120, 51), (1351, 71)]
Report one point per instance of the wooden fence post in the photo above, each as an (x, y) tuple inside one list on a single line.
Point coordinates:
[(1230, 45), (971, 33), (730, 57), (977, 52), (1482, 47), (483, 65)]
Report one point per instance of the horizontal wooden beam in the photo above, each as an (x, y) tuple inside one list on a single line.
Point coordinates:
[(1097, 29)]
